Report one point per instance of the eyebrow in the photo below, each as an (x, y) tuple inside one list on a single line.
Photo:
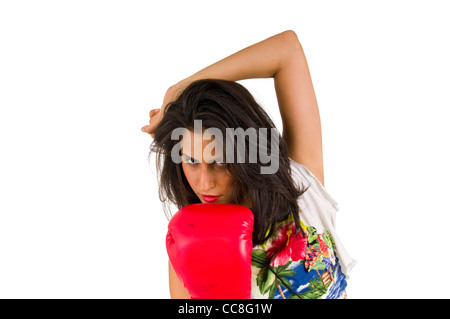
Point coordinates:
[(190, 157)]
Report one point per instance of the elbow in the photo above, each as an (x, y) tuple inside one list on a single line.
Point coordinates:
[(291, 41), (291, 37), (292, 47), (290, 34)]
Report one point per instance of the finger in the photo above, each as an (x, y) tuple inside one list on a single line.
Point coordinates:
[(146, 129), (154, 111)]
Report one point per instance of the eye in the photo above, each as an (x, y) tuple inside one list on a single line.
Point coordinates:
[(219, 163), (189, 160)]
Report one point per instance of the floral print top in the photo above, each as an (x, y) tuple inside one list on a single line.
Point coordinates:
[(292, 265)]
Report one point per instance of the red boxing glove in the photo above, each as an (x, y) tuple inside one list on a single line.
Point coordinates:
[(209, 247)]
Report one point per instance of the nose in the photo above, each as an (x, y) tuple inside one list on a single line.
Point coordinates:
[(207, 179)]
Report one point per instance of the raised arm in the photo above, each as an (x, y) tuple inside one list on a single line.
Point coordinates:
[(280, 57), (299, 110)]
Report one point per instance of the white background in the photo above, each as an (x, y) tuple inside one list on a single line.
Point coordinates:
[(80, 212)]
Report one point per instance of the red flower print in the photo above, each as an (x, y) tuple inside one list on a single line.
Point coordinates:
[(323, 247), (311, 257), (293, 250), (282, 240)]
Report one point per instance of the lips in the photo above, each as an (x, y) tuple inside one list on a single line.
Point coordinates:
[(210, 199)]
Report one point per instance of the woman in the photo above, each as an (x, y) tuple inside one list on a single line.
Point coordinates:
[(296, 253)]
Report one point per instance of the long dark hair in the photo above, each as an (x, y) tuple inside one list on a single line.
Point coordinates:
[(226, 104)]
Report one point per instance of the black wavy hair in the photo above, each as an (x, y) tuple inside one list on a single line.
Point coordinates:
[(226, 104)]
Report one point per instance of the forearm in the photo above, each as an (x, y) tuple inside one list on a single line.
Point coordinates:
[(261, 60)]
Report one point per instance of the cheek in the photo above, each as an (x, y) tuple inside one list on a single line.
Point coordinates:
[(227, 182), (188, 174)]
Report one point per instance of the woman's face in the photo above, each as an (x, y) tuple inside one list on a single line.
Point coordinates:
[(205, 171), (205, 179)]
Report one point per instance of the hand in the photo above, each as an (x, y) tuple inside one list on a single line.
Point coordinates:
[(156, 115), (153, 122)]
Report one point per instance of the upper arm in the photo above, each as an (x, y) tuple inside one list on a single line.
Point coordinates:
[(177, 291), (299, 110)]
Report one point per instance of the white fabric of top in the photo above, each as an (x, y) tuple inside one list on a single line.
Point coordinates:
[(318, 209)]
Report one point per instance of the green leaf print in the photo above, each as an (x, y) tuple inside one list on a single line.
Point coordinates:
[(318, 266), (312, 234), (268, 284), (259, 258), (283, 271), (270, 279), (328, 239), (316, 290), (272, 291)]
